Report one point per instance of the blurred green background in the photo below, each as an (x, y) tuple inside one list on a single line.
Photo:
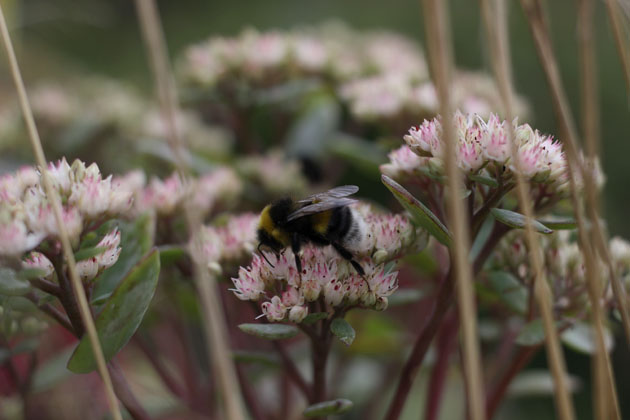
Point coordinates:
[(103, 37)]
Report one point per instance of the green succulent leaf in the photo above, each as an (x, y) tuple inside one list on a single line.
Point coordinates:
[(559, 223), (485, 180), (343, 330), (328, 408), (532, 333), (511, 291), (122, 314), (169, 254), (11, 284), (420, 214), (136, 240), (84, 254), (581, 337), (314, 317), (270, 331), (517, 220)]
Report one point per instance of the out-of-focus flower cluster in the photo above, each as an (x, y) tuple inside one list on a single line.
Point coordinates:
[(227, 244), (95, 113), (331, 52), (404, 96), (285, 294), (483, 149), (26, 215), (274, 174), (564, 267)]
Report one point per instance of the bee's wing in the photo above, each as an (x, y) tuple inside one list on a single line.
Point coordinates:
[(327, 204), (338, 192)]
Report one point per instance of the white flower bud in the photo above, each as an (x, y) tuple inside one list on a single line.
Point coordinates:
[(298, 313)]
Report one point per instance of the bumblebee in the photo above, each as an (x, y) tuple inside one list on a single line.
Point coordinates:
[(321, 219)]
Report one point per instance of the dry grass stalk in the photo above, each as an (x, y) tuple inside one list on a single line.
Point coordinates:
[(623, 49), (440, 58), (215, 325), (569, 136), (590, 130), (543, 45), (500, 59), (77, 286)]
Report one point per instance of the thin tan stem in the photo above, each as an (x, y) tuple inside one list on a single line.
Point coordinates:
[(440, 58), (590, 131), (623, 49), (51, 193), (215, 324), (568, 135), (541, 36), (542, 293)]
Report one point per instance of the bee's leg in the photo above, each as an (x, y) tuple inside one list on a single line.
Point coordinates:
[(348, 256), (295, 247)]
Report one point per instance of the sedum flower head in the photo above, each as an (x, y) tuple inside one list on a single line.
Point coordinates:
[(285, 293), (26, 215)]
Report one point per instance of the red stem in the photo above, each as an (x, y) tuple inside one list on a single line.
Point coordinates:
[(443, 301), (446, 343), (495, 396), (124, 393)]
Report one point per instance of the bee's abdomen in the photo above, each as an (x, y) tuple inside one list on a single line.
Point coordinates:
[(340, 223)]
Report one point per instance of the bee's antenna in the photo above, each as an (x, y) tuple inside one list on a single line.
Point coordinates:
[(264, 256)]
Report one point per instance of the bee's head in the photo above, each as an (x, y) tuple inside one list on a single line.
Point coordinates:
[(271, 236)]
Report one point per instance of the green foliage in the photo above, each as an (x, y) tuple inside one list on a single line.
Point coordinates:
[(511, 291), (420, 214), (314, 317), (327, 408), (532, 333), (122, 314), (517, 220), (256, 357), (11, 284), (136, 240), (343, 330), (270, 331)]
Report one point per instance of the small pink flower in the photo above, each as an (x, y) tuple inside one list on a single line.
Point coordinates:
[(402, 163), (15, 238), (334, 293), (298, 313), (495, 142), (248, 285), (61, 176), (111, 243), (87, 269), (274, 310), (38, 261)]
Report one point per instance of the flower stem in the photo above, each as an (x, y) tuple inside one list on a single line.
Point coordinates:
[(443, 301), (320, 357), (495, 396), (447, 341), (291, 370), (124, 393)]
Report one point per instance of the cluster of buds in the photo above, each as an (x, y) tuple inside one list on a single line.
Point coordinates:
[(286, 294), (26, 215), (403, 96), (564, 266), (109, 251), (226, 245), (483, 148)]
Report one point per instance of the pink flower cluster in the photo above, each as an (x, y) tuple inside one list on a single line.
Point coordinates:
[(26, 216), (219, 187), (483, 148), (230, 243), (325, 274)]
